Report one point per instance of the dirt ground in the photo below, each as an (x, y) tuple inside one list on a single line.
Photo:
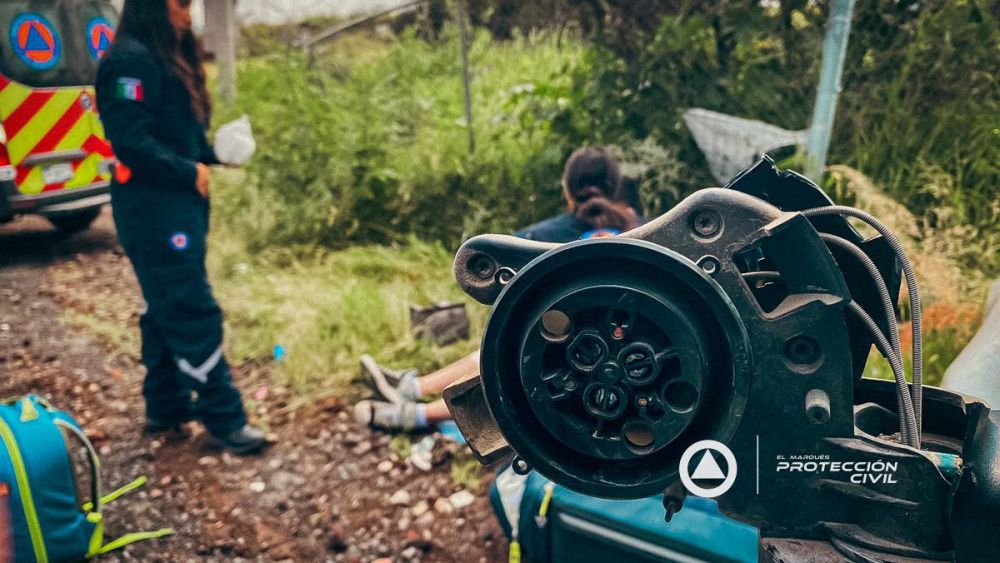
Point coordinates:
[(329, 490)]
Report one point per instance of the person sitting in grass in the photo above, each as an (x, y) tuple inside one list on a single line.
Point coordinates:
[(597, 206)]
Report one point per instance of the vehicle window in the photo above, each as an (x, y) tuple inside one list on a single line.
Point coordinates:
[(46, 43)]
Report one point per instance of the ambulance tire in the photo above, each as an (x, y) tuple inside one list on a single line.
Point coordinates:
[(76, 221)]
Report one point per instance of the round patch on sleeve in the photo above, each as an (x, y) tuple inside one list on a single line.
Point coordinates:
[(179, 241), (600, 233), (35, 41), (100, 34)]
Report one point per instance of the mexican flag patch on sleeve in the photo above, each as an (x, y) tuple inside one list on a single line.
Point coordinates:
[(130, 89)]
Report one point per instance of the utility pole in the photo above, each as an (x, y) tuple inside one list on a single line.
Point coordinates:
[(834, 51), (220, 22), (464, 40)]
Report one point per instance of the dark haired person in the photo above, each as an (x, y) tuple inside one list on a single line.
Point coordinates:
[(155, 108), (597, 206)]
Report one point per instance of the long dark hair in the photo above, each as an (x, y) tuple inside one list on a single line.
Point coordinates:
[(593, 183), (147, 22)]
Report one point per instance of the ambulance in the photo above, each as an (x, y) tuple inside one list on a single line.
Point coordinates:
[(54, 158)]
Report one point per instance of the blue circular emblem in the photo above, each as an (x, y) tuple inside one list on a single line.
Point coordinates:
[(100, 34), (179, 241), (600, 233), (35, 41)]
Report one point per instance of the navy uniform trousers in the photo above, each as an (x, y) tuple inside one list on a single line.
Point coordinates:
[(163, 235)]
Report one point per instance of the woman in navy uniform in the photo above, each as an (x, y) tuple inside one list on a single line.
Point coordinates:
[(155, 108)]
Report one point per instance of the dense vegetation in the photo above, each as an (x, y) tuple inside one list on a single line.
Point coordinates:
[(366, 143)]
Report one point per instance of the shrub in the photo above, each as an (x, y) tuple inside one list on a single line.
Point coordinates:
[(370, 143)]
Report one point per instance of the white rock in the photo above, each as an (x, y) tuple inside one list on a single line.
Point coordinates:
[(258, 486), (461, 499), (420, 508), (400, 498), (208, 461), (442, 506)]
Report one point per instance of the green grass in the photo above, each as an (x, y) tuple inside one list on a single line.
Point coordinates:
[(328, 307), (370, 144)]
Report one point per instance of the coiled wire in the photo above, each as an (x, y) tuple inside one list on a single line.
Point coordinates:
[(916, 313)]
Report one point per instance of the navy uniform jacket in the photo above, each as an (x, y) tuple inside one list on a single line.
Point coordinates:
[(161, 218), (564, 227), (147, 116)]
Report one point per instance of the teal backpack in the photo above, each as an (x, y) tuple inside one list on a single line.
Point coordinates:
[(48, 520)]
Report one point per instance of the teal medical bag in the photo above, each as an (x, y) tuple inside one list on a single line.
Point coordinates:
[(48, 520), (554, 524)]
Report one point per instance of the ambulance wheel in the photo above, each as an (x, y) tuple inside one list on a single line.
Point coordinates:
[(76, 221)]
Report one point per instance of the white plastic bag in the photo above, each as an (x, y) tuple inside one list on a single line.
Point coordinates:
[(234, 142)]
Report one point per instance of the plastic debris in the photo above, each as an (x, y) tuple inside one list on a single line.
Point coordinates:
[(234, 142), (421, 453)]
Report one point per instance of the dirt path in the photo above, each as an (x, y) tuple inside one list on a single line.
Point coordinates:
[(68, 314)]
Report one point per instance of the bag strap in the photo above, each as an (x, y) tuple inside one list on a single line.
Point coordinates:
[(93, 508), (97, 545), (128, 488), (95, 463)]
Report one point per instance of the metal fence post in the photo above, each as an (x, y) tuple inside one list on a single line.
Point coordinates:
[(834, 51)]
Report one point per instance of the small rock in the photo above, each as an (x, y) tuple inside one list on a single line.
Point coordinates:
[(286, 481), (363, 447), (461, 499), (409, 553), (385, 466), (156, 493), (208, 461), (166, 480), (442, 506), (425, 520), (258, 486), (420, 508), (400, 498)]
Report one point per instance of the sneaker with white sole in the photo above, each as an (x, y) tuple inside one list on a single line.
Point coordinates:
[(387, 416), (396, 376), (386, 381)]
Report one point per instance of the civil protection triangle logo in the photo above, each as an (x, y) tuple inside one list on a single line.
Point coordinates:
[(707, 478)]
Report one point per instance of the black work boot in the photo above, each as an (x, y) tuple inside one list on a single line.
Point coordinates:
[(171, 427), (244, 440)]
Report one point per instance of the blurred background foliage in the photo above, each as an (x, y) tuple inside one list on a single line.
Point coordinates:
[(365, 141)]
